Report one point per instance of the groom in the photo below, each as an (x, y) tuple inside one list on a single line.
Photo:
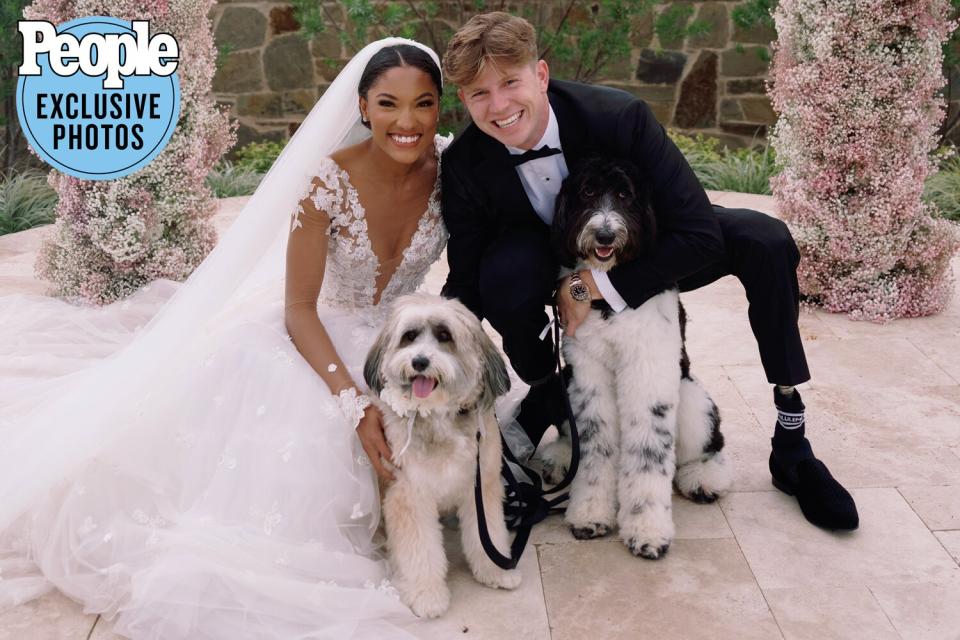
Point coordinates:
[(500, 178)]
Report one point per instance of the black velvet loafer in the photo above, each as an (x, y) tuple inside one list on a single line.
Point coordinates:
[(823, 501)]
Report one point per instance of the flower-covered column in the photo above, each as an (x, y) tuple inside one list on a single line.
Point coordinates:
[(112, 237), (855, 84)]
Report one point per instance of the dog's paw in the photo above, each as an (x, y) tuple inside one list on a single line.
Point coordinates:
[(555, 460), (553, 473), (591, 516), (648, 534), (430, 602), (701, 496), (498, 578), (703, 481), (649, 549), (589, 530)]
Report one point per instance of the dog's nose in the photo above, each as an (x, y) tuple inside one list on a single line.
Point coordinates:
[(420, 363), (605, 236)]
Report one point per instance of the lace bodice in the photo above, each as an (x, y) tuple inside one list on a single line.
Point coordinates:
[(352, 266)]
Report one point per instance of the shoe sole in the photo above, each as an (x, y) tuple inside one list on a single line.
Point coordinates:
[(781, 486), (829, 527)]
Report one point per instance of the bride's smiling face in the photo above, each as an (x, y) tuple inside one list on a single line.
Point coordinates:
[(403, 107)]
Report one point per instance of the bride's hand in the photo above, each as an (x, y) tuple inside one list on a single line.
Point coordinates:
[(370, 432)]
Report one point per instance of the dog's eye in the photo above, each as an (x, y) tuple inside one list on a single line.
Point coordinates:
[(623, 195), (589, 193), (410, 336), (443, 335)]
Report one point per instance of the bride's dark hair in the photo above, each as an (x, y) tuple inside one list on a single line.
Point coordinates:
[(398, 55)]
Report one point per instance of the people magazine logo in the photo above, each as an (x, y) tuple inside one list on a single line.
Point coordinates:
[(98, 97)]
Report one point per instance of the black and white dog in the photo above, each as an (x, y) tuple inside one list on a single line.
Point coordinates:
[(643, 420)]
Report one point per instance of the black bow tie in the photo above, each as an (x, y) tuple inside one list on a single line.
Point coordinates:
[(533, 154)]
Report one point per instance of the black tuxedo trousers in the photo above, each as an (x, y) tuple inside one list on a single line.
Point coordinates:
[(518, 274)]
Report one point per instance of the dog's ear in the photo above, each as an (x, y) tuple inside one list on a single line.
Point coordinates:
[(646, 215), (643, 216), (559, 236), (371, 368), (494, 379)]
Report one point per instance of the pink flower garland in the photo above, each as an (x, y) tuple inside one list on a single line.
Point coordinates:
[(113, 237), (855, 84)]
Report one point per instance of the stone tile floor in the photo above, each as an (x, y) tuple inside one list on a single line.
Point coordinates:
[(883, 412)]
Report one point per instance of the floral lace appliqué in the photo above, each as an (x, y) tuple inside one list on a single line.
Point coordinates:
[(352, 266), (326, 193), (270, 519)]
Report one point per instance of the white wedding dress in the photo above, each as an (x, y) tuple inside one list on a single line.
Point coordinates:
[(240, 504)]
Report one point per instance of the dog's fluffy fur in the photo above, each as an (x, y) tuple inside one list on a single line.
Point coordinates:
[(460, 375), (643, 419)]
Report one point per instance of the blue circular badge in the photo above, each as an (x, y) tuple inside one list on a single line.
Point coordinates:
[(104, 126)]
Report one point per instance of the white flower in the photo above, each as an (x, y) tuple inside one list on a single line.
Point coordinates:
[(286, 451), (282, 355), (271, 519), (87, 527), (184, 439)]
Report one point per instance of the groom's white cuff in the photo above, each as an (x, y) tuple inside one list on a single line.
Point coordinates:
[(609, 294)]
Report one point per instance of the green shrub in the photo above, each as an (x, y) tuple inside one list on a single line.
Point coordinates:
[(258, 156), (723, 169), (241, 178), (943, 187), (699, 149), (228, 180), (742, 170), (26, 201)]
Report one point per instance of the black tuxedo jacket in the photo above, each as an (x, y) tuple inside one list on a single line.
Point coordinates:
[(482, 196)]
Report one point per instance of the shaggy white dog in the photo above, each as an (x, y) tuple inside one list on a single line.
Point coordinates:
[(643, 420), (436, 375)]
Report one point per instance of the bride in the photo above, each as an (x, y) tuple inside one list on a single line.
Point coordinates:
[(201, 476)]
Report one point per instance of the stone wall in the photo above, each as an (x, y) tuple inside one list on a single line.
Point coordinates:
[(270, 75)]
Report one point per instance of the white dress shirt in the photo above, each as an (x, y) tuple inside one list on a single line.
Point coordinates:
[(541, 179)]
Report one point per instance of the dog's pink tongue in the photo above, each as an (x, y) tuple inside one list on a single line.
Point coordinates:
[(422, 386)]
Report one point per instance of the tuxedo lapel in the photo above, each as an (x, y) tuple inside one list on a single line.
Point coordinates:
[(498, 172), (573, 131)]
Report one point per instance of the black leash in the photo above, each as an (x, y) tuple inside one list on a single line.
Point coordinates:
[(526, 504)]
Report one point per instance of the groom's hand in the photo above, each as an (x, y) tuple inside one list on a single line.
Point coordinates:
[(370, 432), (573, 313)]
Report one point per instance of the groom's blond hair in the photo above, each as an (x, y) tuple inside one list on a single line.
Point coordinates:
[(497, 37)]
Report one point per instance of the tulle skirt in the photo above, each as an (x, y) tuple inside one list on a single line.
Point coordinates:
[(237, 504)]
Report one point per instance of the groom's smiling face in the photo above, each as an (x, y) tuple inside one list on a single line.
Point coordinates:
[(509, 103)]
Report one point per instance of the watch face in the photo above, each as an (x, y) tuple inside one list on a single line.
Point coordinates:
[(579, 291)]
